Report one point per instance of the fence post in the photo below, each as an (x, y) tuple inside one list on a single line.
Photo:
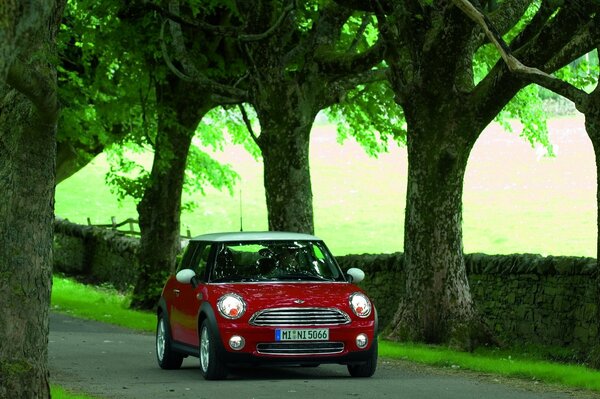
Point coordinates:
[(89, 221), (131, 226), (114, 222), (189, 235)]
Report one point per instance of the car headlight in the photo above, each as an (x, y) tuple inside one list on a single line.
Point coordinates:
[(360, 304), (231, 306)]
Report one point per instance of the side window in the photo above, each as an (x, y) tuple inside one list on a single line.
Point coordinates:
[(201, 260), (188, 253)]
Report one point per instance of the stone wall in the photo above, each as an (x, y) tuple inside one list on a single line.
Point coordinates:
[(525, 298), (94, 254)]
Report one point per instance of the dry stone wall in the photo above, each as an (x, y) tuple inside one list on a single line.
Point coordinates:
[(526, 299)]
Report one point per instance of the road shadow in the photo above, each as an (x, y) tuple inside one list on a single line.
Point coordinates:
[(322, 372)]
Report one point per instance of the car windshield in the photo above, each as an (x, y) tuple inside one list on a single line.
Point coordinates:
[(274, 261)]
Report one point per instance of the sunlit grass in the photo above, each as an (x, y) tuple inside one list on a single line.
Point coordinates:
[(61, 393), (488, 361), (107, 306), (99, 304)]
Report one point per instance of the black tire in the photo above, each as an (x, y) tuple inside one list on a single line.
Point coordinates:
[(368, 368), (211, 366), (165, 356)]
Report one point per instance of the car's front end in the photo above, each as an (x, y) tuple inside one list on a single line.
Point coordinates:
[(294, 323)]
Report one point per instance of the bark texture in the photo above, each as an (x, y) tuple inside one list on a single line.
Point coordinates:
[(160, 207), (28, 114), (286, 118), (592, 126), (438, 306), (26, 215)]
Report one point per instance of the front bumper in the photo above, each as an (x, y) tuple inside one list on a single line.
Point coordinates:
[(262, 348)]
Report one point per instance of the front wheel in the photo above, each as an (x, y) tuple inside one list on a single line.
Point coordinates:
[(166, 357), (368, 368), (211, 366)]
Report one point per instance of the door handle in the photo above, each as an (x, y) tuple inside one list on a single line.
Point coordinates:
[(176, 292)]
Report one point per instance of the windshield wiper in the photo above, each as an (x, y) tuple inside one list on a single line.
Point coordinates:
[(236, 279), (302, 276)]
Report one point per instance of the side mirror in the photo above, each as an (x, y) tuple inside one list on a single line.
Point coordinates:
[(356, 275), (185, 276)]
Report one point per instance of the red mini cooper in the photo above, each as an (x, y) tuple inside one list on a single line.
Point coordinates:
[(264, 298)]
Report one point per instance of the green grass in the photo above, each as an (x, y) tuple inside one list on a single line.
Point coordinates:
[(514, 201), (107, 306), (101, 304), (61, 393), (487, 361)]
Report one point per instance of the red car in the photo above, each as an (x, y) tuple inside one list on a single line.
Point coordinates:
[(264, 298)]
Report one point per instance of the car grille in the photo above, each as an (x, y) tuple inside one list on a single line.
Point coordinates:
[(300, 348), (299, 317)]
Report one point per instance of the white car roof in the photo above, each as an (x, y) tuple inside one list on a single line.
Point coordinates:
[(255, 236)]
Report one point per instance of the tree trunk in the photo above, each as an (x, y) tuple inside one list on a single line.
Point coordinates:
[(26, 221), (160, 207), (287, 182), (285, 145), (28, 114), (437, 306), (592, 126)]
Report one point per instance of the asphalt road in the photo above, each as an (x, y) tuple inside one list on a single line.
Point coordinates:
[(113, 362)]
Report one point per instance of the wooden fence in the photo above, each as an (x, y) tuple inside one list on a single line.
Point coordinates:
[(132, 226)]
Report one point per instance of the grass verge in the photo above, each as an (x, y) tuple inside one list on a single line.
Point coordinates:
[(109, 306), (101, 304), (61, 393), (496, 362)]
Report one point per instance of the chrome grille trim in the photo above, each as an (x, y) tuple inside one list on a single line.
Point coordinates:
[(300, 348), (285, 317)]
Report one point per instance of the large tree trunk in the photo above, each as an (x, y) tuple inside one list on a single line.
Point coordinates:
[(437, 306), (26, 221), (286, 122), (592, 125), (287, 182), (28, 114), (160, 207)]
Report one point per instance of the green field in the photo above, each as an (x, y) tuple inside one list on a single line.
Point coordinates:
[(515, 200)]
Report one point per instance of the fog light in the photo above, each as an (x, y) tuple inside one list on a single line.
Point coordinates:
[(236, 342), (362, 341)]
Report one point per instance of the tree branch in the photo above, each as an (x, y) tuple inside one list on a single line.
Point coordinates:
[(199, 25), (37, 88), (579, 97), (192, 74), (339, 87), (366, 5), (537, 23), (226, 31), (343, 63), (248, 123), (272, 29), (361, 30), (508, 13), (581, 43)]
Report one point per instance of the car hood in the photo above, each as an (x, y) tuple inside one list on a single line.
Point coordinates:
[(268, 295)]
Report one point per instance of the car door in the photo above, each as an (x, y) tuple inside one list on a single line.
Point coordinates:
[(186, 299)]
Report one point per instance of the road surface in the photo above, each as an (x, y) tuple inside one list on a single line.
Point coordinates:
[(113, 362)]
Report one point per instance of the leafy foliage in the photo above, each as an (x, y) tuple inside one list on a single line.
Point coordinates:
[(103, 85), (370, 115)]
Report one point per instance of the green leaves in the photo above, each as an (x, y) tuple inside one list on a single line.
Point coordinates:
[(370, 115)]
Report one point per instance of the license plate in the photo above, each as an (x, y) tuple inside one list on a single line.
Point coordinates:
[(315, 334)]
